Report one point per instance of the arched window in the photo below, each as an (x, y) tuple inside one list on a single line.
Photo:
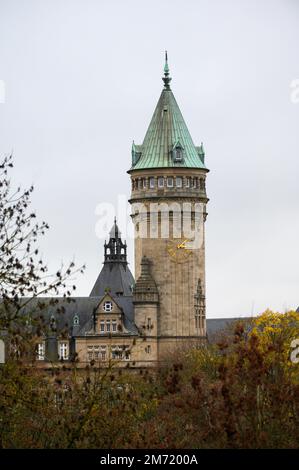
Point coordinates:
[(76, 320)]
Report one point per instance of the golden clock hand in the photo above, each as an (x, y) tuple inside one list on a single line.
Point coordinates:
[(182, 245)]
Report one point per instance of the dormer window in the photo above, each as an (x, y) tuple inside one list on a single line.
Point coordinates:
[(135, 153), (108, 306), (178, 153), (76, 321)]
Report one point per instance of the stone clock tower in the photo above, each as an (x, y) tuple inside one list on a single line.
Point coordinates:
[(169, 200)]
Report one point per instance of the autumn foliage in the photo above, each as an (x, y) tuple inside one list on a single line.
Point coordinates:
[(240, 390), (240, 393)]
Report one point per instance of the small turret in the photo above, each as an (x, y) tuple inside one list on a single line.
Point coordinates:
[(146, 300), (145, 288), (115, 249)]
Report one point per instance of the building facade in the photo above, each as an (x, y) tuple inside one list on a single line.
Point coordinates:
[(140, 323)]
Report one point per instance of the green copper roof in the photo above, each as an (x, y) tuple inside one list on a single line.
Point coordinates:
[(167, 142)]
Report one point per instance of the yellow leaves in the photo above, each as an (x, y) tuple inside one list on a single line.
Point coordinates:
[(276, 331)]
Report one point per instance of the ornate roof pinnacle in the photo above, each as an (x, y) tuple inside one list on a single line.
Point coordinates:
[(166, 79)]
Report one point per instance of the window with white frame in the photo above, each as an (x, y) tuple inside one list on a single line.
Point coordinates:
[(90, 353), (108, 306), (179, 181), (103, 353), (127, 353), (63, 350), (161, 182), (170, 182), (115, 352), (96, 354), (152, 182), (41, 351), (144, 183), (108, 328), (114, 326), (121, 352), (177, 153), (102, 326)]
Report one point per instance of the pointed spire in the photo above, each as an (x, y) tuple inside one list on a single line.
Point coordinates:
[(115, 249), (115, 232), (166, 79), (167, 142)]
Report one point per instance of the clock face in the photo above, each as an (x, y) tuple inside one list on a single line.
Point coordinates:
[(178, 250)]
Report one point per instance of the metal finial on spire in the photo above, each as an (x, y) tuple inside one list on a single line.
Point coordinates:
[(166, 79)]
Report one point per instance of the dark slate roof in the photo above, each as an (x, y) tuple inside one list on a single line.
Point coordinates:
[(116, 277), (65, 310), (215, 325)]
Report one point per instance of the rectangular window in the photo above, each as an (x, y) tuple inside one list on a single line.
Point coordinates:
[(187, 182), (63, 351), (102, 326), (108, 326), (144, 183), (149, 323), (127, 354), (41, 351), (179, 181), (160, 182), (152, 182), (114, 326), (114, 352), (103, 353), (170, 182)]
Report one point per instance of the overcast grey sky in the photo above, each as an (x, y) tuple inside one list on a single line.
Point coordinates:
[(82, 78)]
